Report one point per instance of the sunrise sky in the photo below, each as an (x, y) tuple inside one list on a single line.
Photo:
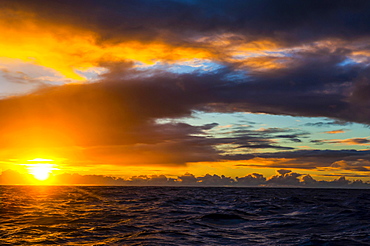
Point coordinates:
[(168, 87)]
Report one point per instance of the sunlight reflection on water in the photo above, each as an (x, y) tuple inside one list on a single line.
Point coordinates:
[(71, 215)]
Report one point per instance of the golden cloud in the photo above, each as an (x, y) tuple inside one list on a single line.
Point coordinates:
[(66, 49)]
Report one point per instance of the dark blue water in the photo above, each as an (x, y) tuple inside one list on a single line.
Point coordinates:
[(61, 215)]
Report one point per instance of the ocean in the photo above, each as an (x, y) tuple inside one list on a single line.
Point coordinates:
[(121, 215)]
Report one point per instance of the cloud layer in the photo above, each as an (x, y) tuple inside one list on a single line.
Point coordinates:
[(288, 58)]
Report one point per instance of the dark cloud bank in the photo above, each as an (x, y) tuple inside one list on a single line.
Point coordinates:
[(288, 21), (122, 108), (283, 178)]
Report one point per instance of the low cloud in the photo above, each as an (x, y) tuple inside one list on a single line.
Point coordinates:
[(328, 124), (285, 177), (349, 141), (358, 165), (254, 179), (306, 159)]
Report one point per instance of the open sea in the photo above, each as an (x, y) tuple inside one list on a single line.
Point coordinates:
[(101, 215)]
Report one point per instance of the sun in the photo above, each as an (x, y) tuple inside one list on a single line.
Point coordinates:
[(40, 171), (40, 168)]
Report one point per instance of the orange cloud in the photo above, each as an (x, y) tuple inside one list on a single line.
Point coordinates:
[(353, 141), (66, 49), (265, 62), (349, 141), (335, 132), (246, 52)]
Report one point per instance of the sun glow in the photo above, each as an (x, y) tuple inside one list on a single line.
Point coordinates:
[(40, 169)]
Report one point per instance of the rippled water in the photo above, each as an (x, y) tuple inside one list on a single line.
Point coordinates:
[(61, 215)]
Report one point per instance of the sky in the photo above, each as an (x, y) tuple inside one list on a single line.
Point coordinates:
[(185, 88)]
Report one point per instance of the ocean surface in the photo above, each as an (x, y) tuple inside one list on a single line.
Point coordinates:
[(87, 215)]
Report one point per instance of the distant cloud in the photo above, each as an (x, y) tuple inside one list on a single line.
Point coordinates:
[(353, 141), (306, 159), (285, 177), (335, 131), (215, 180), (254, 179), (327, 124), (188, 179), (358, 165), (349, 141)]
